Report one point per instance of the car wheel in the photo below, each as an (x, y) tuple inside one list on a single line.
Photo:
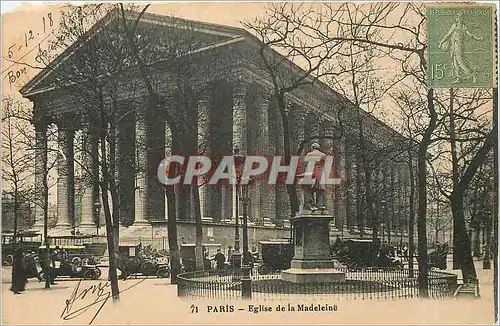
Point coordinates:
[(98, 272), (147, 267), (89, 274), (9, 260), (163, 273)]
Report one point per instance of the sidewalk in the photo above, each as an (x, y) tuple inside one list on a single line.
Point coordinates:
[(155, 301)]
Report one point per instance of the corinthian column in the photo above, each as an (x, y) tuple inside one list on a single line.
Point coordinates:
[(239, 133), (87, 222), (125, 163), (141, 174), (262, 196), (298, 119), (203, 148), (350, 185), (40, 167), (340, 189), (282, 197), (65, 181)]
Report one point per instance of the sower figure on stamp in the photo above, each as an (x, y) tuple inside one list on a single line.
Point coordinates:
[(314, 194)]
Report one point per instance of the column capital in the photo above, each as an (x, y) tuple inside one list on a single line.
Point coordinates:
[(240, 81)]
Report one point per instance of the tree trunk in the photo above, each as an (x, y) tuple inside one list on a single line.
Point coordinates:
[(455, 175), (367, 169), (287, 151), (462, 245), (14, 270), (173, 246), (422, 198), (477, 242), (112, 184), (411, 219), (175, 264), (462, 241), (457, 198), (115, 292), (16, 204), (46, 218)]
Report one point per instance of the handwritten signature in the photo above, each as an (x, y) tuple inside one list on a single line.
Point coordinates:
[(95, 294)]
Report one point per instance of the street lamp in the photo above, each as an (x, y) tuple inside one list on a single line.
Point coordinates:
[(246, 285), (238, 162), (97, 211), (243, 194)]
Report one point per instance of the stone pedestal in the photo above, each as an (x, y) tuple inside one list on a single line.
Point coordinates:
[(311, 262)]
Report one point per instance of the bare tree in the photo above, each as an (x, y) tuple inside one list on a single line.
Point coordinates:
[(21, 145), (328, 29), (96, 80), (290, 36), (179, 53), (465, 127), (16, 164)]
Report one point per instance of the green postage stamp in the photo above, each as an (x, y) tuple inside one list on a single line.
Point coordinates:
[(461, 45)]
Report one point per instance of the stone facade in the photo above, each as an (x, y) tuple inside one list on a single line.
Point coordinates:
[(228, 103)]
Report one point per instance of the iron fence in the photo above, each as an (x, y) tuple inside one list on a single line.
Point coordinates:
[(360, 284)]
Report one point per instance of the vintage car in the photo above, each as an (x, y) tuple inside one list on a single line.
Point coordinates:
[(66, 261), (363, 253), (134, 260), (437, 256), (27, 240), (274, 255), (188, 258), (95, 245)]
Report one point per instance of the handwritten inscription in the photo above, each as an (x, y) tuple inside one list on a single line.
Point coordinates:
[(30, 36), (29, 41), (86, 299), (81, 301), (15, 74)]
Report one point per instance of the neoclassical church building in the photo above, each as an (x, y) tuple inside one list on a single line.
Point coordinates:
[(216, 95)]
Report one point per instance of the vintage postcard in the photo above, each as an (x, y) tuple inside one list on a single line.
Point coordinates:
[(249, 163)]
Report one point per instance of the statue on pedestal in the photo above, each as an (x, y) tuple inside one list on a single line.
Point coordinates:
[(314, 195)]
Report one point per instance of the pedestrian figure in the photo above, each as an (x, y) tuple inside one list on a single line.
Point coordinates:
[(30, 265), (219, 260), (54, 257), (207, 265), (229, 253), (18, 272)]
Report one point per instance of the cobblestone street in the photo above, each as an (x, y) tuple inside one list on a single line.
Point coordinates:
[(155, 301)]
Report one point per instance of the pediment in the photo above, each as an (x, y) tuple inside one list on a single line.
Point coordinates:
[(103, 49)]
